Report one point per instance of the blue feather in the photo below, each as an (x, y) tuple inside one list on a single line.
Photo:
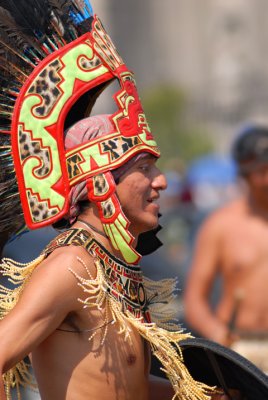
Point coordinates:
[(88, 9), (83, 13)]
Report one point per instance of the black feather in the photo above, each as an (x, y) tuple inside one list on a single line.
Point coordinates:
[(27, 28), (13, 42), (61, 8), (31, 15), (61, 11)]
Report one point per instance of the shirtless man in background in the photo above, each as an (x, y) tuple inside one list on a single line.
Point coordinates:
[(233, 243)]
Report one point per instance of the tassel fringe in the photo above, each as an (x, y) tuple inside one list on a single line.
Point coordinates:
[(164, 343), (18, 274), (160, 334)]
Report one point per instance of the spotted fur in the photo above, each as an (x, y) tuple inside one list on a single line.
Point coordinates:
[(100, 185), (87, 64), (32, 148), (108, 208), (118, 146), (46, 85), (40, 210), (73, 165)]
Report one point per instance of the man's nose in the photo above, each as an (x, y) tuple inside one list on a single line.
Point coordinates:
[(159, 181)]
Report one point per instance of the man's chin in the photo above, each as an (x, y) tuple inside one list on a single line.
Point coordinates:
[(150, 226), (146, 224)]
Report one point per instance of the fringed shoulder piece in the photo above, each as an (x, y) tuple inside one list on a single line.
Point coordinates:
[(18, 275)]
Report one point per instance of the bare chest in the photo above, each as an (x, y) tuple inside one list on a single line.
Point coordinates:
[(244, 248), (107, 364)]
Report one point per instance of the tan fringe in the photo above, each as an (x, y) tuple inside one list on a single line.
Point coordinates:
[(161, 294), (164, 343), (18, 274), (165, 346)]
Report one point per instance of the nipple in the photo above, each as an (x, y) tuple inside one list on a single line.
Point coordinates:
[(131, 359)]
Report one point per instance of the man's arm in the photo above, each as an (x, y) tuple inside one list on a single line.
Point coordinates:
[(47, 299), (160, 388), (202, 272)]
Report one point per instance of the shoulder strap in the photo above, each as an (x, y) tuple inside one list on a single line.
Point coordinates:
[(75, 237)]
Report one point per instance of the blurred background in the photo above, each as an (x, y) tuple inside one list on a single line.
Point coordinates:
[(202, 73)]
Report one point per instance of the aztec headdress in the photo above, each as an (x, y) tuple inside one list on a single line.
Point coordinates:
[(55, 60)]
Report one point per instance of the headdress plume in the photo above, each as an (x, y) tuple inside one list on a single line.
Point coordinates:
[(29, 31)]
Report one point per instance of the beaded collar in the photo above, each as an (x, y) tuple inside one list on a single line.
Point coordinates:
[(124, 281)]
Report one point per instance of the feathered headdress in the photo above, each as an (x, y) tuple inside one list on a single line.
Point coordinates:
[(55, 59)]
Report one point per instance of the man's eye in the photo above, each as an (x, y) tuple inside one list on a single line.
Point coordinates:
[(144, 167)]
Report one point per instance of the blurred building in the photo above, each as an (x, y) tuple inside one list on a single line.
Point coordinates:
[(216, 50)]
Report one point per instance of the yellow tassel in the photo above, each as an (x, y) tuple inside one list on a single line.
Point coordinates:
[(161, 294), (165, 346), (18, 274)]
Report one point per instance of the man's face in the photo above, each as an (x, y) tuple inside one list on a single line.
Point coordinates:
[(138, 191), (258, 183)]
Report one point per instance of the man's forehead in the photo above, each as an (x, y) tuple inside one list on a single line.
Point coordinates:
[(260, 166), (148, 156), (132, 164)]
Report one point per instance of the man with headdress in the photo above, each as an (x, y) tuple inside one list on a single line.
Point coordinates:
[(82, 310)]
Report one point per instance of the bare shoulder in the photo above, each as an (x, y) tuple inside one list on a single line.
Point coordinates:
[(67, 258), (226, 215), (58, 273)]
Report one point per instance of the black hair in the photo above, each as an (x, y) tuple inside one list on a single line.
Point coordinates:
[(64, 223), (251, 148)]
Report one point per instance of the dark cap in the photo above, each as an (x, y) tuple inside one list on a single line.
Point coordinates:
[(250, 149)]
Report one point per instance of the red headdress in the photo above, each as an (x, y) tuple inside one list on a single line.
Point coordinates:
[(54, 64)]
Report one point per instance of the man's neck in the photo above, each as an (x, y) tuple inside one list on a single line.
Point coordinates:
[(91, 223), (91, 227), (257, 207)]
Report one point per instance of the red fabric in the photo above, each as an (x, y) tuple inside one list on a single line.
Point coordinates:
[(87, 129), (83, 131)]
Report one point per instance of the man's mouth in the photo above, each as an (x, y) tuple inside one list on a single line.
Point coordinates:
[(153, 200)]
